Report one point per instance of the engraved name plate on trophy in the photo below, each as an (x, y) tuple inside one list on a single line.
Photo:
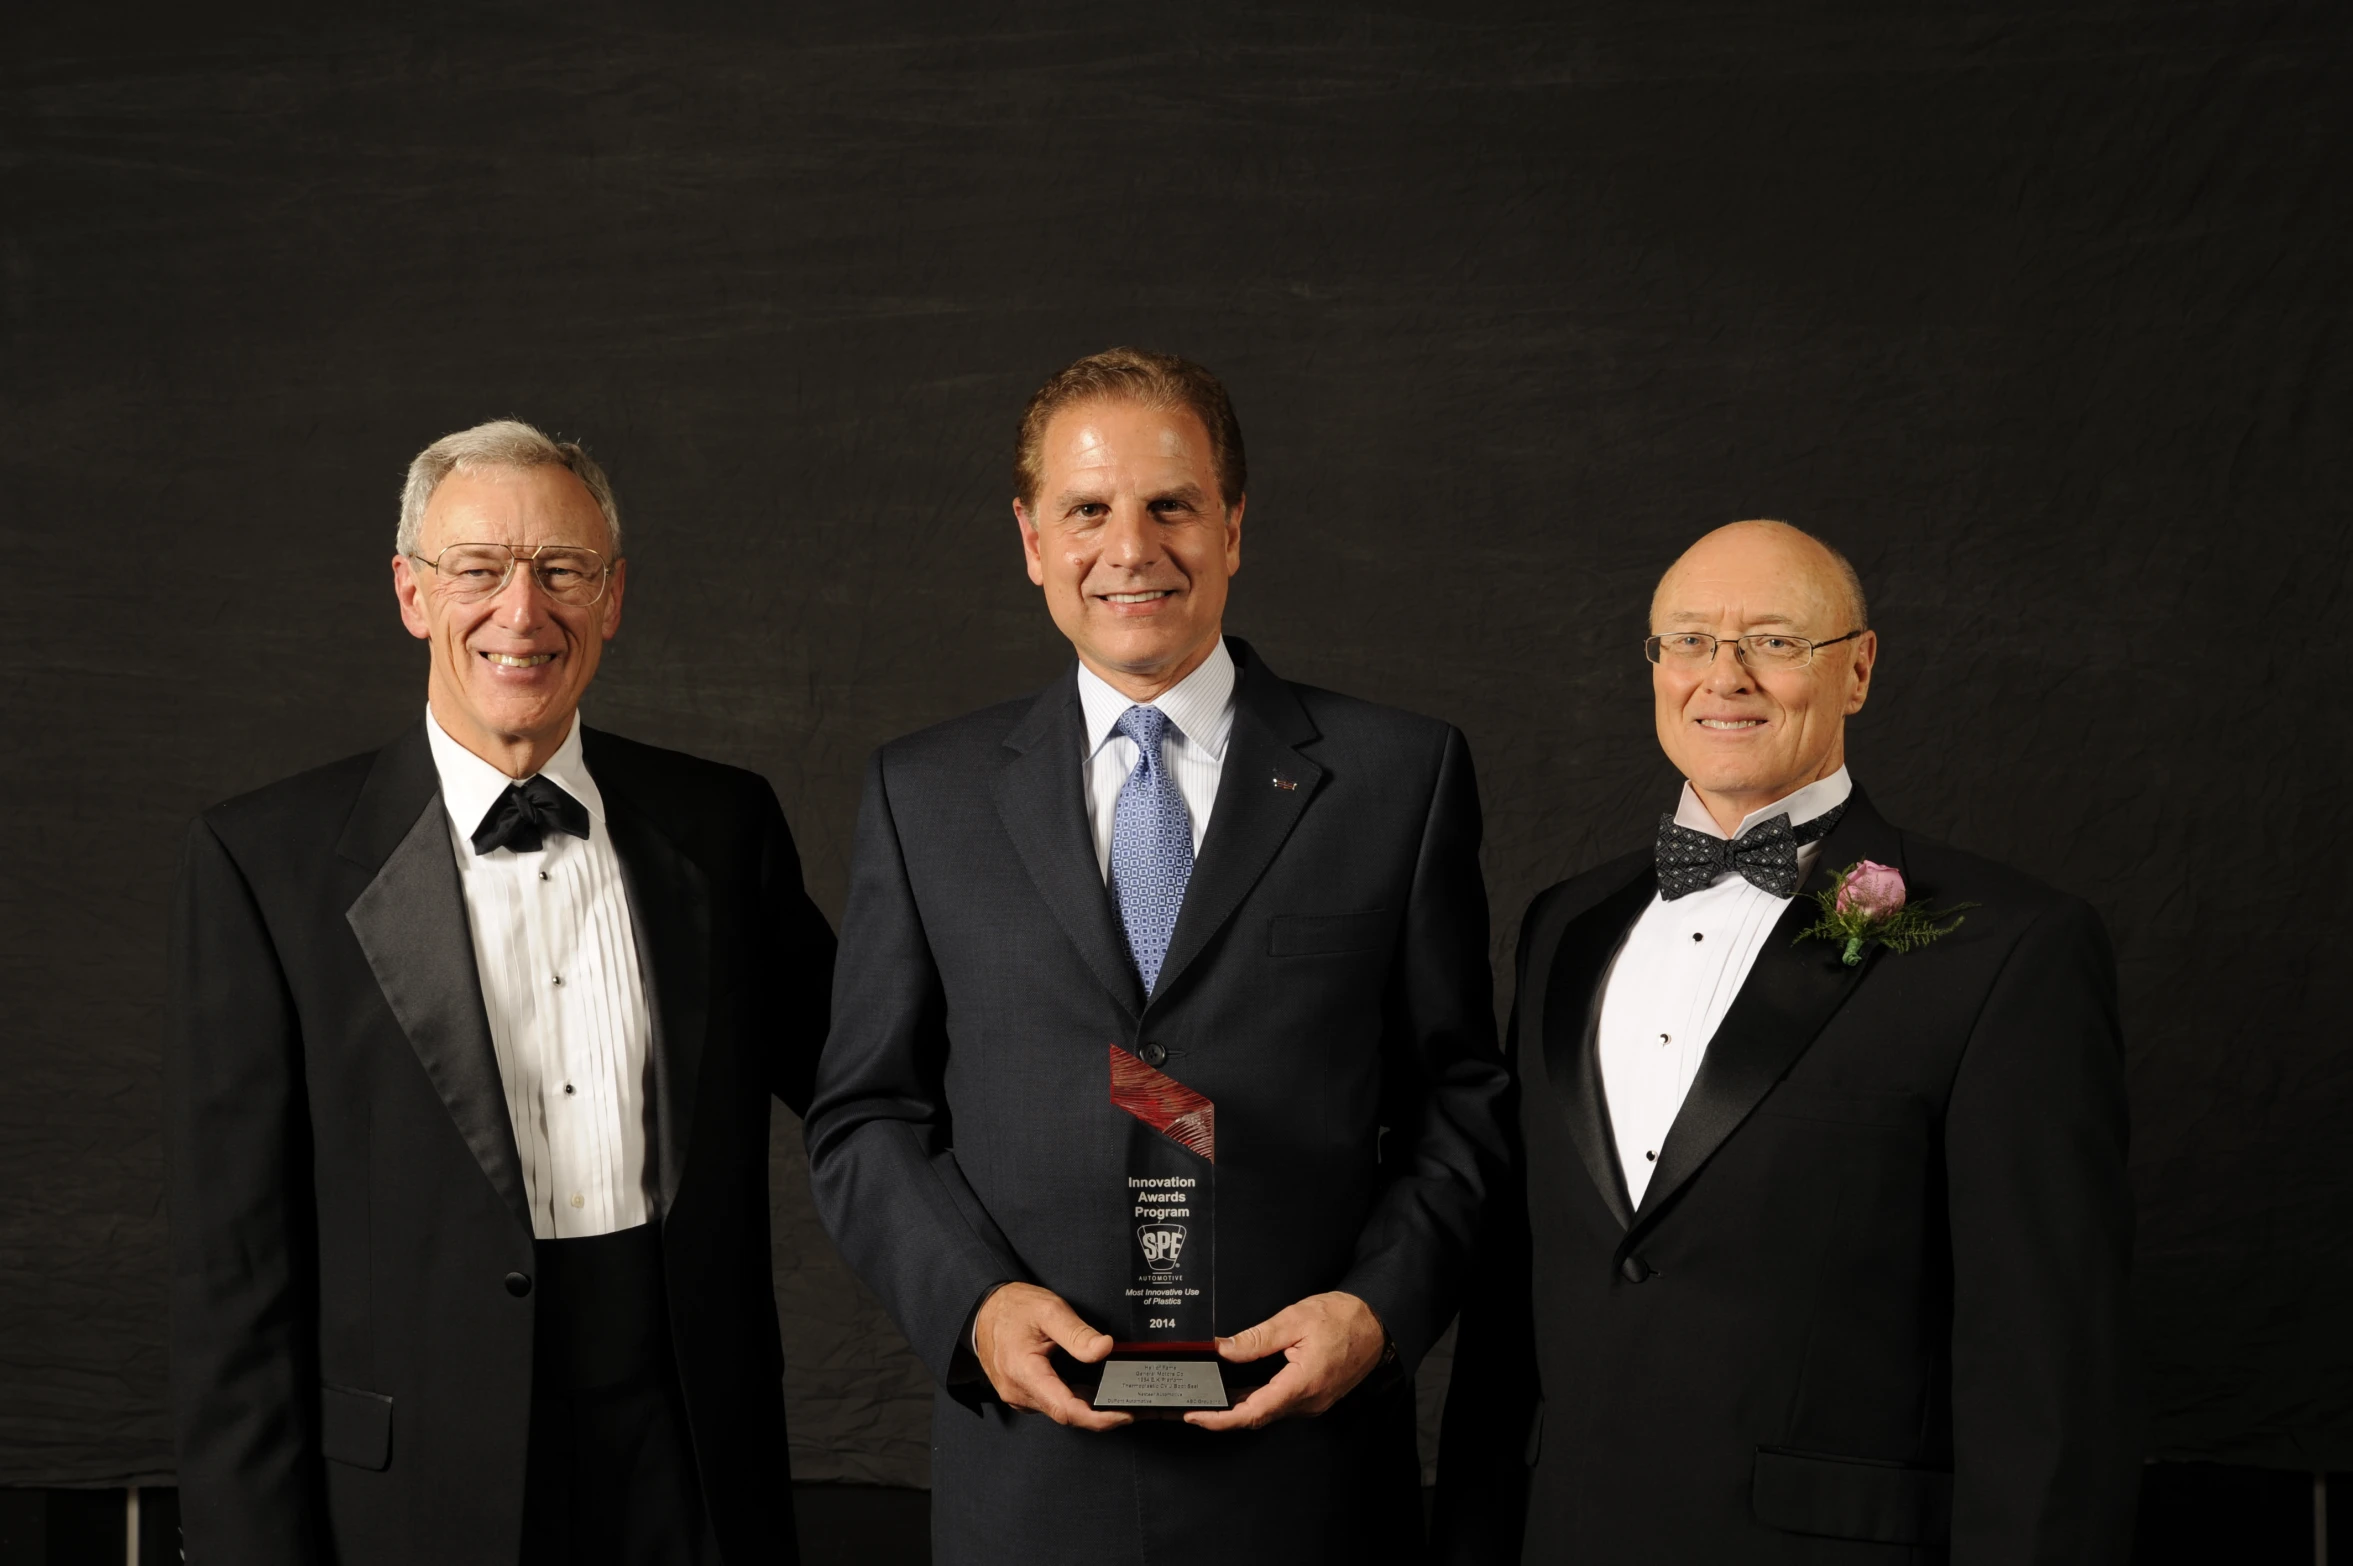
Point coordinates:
[(1168, 1356)]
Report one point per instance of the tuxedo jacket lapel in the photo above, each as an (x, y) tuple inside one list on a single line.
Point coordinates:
[(1263, 789), (670, 914), (1571, 1017), (1042, 801), (411, 925), (1789, 997)]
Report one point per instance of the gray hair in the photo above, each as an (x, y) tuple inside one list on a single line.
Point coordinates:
[(502, 443)]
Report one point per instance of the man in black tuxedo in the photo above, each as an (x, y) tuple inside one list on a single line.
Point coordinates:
[(472, 1042), (1028, 927), (1817, 1262)]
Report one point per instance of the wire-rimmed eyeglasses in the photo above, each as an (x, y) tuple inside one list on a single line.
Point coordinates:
[(1758, 649), (567, 573)]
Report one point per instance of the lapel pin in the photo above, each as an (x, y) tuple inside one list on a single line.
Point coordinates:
[(1286, 785)]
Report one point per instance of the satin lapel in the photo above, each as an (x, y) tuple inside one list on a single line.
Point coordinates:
[(1789, 997), (1571, 1013), (1040, 798), (411, 924), (1262, 791), (670, 915)]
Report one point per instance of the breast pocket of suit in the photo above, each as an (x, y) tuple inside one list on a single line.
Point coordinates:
[(1862, 1153), (1876, 1108), (1330, 935), (355, 1427)]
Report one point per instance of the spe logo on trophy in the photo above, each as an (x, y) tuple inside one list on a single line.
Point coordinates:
[(1168, 1357), (1162, 1243)]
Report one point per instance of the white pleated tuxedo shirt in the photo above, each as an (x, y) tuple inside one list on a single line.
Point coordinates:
[(558, 961), (1200, 712), (1677, 975)]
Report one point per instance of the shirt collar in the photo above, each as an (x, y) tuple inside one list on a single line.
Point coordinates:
[(1200, 706), (1821, 795), (470, 785)]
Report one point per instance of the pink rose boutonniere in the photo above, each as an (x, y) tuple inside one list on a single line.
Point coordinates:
[(1867, 902)]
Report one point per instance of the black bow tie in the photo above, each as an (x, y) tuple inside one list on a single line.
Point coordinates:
[(525, 814), (1765, 855)]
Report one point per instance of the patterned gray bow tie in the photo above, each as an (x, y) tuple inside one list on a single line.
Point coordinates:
[(1765, 855)]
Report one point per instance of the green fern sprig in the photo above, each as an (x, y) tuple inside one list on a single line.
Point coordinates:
[(1855, 929)]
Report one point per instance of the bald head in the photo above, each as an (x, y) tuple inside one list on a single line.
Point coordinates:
[(1768, 550), (1750, 726)]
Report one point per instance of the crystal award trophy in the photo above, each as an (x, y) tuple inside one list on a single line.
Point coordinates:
[(1167, 1358)]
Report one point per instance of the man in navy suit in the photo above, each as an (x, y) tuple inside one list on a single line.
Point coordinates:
[(1170, 866)]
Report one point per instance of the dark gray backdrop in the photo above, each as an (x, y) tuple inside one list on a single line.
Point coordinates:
[(2037, 310)]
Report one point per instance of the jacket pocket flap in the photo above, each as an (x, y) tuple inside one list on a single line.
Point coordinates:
[(1317, 935), (1843, 1498), (355, 1427)]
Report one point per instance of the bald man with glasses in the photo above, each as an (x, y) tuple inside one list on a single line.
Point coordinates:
[(1819, 1248), (472, 1045)]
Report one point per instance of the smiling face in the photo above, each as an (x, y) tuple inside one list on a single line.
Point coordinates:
[(1132, 542), (1747, 737), (508, 672)]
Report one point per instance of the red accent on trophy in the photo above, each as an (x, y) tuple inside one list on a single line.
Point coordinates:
[(1165, 1104)]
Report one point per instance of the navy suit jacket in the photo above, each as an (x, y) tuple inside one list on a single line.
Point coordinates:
[(1327, 986)]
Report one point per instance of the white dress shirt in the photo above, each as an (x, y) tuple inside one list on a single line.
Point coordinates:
[(1200, 712), (558, 962), (1676, 977)]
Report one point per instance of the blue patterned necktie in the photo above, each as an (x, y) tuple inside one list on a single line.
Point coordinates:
[(1151, 845)]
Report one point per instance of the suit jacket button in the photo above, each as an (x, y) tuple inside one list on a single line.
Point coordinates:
[(518, 1284), (1153, 1054), (1633, 1269)]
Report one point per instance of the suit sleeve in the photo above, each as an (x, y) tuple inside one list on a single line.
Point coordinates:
[(1444, 1080), (1494, 1410), (1494, 1404), (243, 1366), (802, 946), (882, 1165), (2045, 1458)]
